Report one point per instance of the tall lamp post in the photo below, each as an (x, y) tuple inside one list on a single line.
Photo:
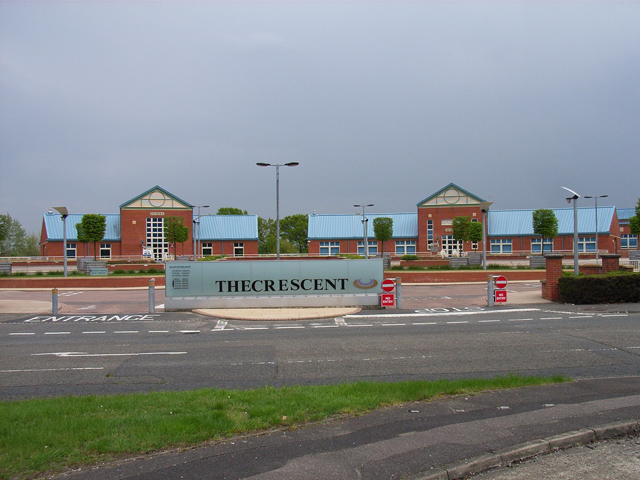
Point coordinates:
[(196, 231), (484, 208), (278, 165), (596, 197), (364, 226), (65, 213), (575, 198)]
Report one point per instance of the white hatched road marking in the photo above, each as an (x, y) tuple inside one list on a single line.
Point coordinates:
[(85, 354), (26, 370)]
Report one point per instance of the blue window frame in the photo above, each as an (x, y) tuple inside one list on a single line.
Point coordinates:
[(405, 247), (373, 247), (501, 245), (628, 241), (329, 248)]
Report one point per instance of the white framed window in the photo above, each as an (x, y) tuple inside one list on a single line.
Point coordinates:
[(71, 250), (501, 245), (405, 247), (155, 238), (238, 249), (629, 241), (429, 233), (372, 250), (449, 244), (207, 249), (105, 250), (587, 244), (537, 245), (474, 245), (329, 248)]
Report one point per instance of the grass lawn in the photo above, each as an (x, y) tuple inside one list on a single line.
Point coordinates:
[(53, 434)]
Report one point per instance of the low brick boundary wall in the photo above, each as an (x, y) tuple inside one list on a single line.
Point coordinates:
[(80, 282), (461, 276)]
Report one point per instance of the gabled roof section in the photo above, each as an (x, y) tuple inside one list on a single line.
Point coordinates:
[(449, 196), (53, 226), (321, 227), (516, 223), (156, 198), (228, 227), (624, 214)]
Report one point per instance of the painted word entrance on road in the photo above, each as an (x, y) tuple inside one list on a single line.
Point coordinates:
[(263, 283)]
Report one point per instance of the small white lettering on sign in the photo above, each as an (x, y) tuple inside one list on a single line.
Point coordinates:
[(156, 213), (92, 318)]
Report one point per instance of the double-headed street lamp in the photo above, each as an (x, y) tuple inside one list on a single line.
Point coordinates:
[(364, 226), (277, 165), (596, 197), (575, 198), (65, 213)]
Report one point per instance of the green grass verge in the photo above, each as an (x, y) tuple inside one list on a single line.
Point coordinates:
[(53, 434)]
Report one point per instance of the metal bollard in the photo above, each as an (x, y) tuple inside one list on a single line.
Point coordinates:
[(152, 295), (490, 290), (398, 292), (54, 301)]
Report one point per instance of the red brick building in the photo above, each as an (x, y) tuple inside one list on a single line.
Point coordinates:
[(138, 231)]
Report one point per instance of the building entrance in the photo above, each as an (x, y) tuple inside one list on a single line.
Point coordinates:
[(155, 238)]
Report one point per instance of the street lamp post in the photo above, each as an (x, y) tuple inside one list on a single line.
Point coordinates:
[(65, 213), (596, 197), (196, 232), (484, 207), (575, 198), (277, 165), (364, 224)]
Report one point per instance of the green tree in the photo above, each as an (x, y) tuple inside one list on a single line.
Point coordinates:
[(266, 232), (382, 229), (14, 240), (545, 223), (294, 228), (93, 227), (461, 228), (474, 232), (634, 222), (231, 211), (175, 232), (82, 238)]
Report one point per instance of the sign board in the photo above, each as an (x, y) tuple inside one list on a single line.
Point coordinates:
[(254, 283), (98, 271), (147, 252), (387, 300), (388, 284), (500, 296), (500, 281)]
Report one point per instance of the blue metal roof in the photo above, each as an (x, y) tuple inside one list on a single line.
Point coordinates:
[(405, 225), (229, 227), (53, 226), (515, 223), (624, 214)]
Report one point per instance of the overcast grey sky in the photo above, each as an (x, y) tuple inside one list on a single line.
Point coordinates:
[(380, 102)]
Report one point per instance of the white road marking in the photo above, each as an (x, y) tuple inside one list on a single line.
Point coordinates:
[(57, 333), (88, 307), (22, 333), (84, 354), (521, 319), (439, 314), (326, 326), (290, 327), (340, 322), (220, 325), (550, 318), (126, 331), (95, 332), (189, 331), (488, 321), (158, 331), (582, 316), (255, 328), (462, 321), (424, 323), (359, 325), (614, 315), (51, 369), (392, 324)]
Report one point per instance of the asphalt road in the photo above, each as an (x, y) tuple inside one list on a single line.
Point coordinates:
[(178, 351)]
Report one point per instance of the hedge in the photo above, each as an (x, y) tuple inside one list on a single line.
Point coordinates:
[(615, 287)]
